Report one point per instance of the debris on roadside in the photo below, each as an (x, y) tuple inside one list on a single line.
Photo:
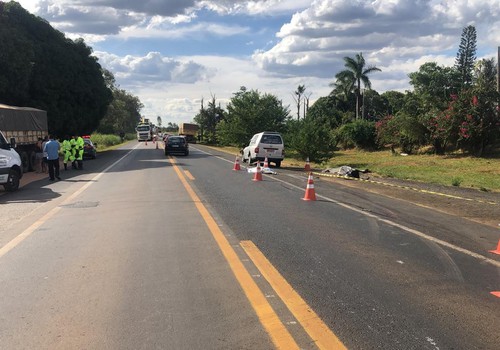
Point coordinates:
[(345, 171), (262, 170)]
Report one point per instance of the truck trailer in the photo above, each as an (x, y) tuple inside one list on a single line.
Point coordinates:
[(11, 169), (25, 125), (190, 131)]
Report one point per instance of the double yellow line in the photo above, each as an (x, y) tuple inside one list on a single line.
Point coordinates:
[(321, 335)]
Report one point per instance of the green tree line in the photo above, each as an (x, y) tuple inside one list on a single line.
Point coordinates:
[(41, 68), (450, 109)]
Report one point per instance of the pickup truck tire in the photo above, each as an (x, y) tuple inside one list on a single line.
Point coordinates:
[(12, 183), (278, 164)]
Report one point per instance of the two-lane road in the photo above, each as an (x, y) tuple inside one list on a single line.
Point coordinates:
[(145, 251)]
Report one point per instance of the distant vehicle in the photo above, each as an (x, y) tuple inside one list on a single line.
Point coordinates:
[(26, 125), (265, 144), (11, 169), (144, 132), (190, 131), (176, 144), (89, 148)]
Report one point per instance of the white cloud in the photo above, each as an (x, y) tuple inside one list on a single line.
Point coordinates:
[(386, 31), (306, 47), (134, 70), (197, 31)]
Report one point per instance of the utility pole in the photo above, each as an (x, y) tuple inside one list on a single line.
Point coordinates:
[(498, 70)]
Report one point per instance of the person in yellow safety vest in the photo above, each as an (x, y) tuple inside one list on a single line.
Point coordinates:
[(79, 147), (66, 148), (72, 142)]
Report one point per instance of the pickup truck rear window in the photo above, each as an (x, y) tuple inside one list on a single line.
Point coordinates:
[(271, 139)]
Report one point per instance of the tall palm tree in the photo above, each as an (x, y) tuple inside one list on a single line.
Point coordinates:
[(298, 98), (356, 73)]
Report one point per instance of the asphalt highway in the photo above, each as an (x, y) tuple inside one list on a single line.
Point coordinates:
[(144, 251)]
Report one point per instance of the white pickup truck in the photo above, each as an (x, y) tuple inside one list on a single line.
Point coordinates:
[(11, 169)]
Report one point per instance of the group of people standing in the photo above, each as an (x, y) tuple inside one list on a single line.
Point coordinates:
[(72, 150)]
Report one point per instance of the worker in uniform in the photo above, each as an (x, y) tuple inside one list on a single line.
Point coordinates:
[(73, 152), (66, 148), (79, 147)]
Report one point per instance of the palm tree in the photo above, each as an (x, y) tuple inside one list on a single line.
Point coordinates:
[(342, 87), (355, 74), (298, 98)]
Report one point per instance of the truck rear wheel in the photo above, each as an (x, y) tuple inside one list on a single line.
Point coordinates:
[(25, 161), (12, 183), (32, 158)]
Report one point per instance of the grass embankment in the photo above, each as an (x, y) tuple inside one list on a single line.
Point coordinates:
[(106, 142), (450, 170)]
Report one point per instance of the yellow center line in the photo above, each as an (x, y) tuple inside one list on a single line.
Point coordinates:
[(280, 336), (319, 332), (189, 175)]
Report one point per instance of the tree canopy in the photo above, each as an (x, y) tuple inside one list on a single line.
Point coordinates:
[(123, 112), (466, 55), (250, 112), (41, 68)]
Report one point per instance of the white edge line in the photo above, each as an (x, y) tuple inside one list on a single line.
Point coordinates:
[(26, 233), (389, 222)]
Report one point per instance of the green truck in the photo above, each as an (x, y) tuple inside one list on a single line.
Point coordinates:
[(25, 125)]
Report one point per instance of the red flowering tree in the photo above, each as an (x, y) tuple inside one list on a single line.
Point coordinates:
[(476, 112)]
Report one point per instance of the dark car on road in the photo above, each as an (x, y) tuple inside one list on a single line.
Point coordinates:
[(176, 145), (89, 149)]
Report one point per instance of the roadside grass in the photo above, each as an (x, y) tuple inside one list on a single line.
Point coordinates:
[(107, 142), (450, 170)]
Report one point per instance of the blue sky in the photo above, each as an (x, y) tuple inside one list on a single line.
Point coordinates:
[(174, 53)]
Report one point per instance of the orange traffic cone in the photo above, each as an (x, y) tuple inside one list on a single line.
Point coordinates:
[(237, 164), (266, 163), (258, 174), (496, 251), (497, 294), (310, 195), (307, 167)]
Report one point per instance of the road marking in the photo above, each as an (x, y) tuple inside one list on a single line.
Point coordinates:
[(189, 175), (319, 332), (402, 227), (391, 223), (280, 336), (26, 233), (406, 188)]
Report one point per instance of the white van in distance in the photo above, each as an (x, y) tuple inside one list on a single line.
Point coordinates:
[(265, 144)]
